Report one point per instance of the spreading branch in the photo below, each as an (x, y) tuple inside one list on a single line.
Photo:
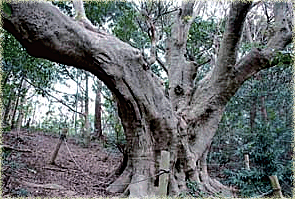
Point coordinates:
[(258, 59)]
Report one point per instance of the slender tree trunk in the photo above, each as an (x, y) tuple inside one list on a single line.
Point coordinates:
[(21, 112), (76, 105), (20, 118), (16, 104), (82, 116), (97, 121), (253, 114), (262, 100), (14, 113), (33, 116), (7, 107), (86, 113)]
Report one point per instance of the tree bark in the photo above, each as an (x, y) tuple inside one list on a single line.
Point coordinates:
[(183, 124)]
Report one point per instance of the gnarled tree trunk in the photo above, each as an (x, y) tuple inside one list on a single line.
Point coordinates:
[(183, 123)]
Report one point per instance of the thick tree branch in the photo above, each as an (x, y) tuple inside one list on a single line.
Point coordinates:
[(181, 72), (213, 92), (257, 59), (59, 38), (228, 51), (218, 87)]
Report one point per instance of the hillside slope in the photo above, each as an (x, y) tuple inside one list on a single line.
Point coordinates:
[(79, 172)]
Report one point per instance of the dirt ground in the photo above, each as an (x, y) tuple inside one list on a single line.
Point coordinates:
[(82, 172)]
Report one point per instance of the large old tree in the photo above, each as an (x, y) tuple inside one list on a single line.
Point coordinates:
[(182, 122)]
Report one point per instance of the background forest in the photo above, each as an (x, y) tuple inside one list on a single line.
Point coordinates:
[(43, 96)]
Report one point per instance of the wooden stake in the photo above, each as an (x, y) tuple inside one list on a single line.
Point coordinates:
[(276, 186), (163, 179), (61, 139)]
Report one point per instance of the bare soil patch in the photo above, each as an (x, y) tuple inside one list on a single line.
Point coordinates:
[(82, 172)]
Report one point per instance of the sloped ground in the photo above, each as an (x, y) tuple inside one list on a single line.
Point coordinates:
[(82, 172)]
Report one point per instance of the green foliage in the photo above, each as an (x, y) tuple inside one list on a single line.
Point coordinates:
[(157, 69), (199, 43), (268, 143), (128, 30), (283, 58), (41, 75), (251, 182), (65, 6), (105, 12), (194, 190), (126, 27), (267, 157), (18, 64), (6, 128), (51, 124), (201, 35), (247, 47), (7, 8)]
